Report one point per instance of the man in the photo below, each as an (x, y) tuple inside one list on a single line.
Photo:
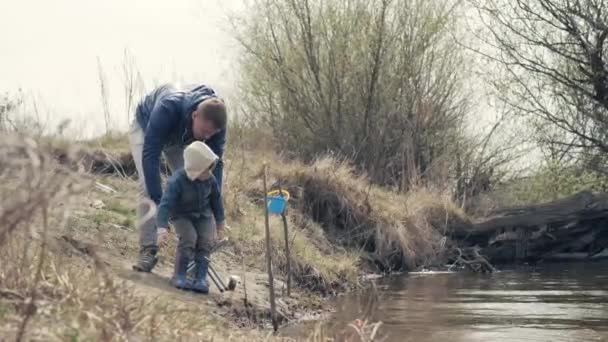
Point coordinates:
[(167, 120)]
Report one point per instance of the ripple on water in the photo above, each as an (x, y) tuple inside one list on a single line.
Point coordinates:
[(560, 302)]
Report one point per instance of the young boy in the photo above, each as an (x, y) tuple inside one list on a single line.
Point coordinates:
[(191, 199)]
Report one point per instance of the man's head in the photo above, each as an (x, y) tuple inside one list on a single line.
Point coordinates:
[(199, 160), (208, 118)]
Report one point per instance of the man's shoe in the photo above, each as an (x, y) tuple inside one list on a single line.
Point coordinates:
[(147, 261)]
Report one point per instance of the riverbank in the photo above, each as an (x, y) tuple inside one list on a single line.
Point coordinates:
[(70, 238)]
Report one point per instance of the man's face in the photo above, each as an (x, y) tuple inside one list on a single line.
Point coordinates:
[(202, 128)]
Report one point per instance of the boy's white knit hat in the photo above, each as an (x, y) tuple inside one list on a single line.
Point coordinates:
[(198, 158)]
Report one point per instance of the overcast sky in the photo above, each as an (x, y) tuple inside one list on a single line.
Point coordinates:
[(50, 49)]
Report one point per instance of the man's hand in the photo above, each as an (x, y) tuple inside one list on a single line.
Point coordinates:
[(162, 237)]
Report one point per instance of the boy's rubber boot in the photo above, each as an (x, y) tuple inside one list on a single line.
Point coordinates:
[(201, 266), (147, 260), (217, 246), (180, 279)]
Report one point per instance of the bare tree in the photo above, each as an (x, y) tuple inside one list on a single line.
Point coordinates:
[(552, 54)]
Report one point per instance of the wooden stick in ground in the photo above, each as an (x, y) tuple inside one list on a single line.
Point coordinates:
[(287, 254), (273, 309)]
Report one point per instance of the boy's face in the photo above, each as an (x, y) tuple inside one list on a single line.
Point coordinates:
[(207, 173), (204, 176)]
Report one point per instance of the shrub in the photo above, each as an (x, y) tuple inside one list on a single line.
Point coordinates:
[(376, 81)]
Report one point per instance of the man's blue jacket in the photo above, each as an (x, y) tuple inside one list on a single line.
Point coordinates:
[(165, 115)]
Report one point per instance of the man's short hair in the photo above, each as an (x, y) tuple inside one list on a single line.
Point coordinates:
[(214, 110)]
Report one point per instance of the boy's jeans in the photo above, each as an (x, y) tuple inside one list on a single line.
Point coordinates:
[(196, 236), (146, 209)]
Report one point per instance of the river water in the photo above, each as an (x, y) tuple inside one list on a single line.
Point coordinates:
[(553, 302)]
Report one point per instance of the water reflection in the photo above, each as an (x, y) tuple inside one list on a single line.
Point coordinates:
[(559, 302)]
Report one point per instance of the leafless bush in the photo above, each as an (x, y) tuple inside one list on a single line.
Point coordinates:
[(398, 231), (32, 181), (376, 81)]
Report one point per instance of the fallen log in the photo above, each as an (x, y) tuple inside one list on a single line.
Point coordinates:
[(584, 205), (574, 244), (566, 257), (572, 228), (601, 255)]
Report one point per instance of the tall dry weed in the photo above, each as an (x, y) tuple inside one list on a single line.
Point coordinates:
[(398, 230)]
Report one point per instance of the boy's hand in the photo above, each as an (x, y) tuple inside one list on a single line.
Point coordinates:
[(162, 237), (220, 231)]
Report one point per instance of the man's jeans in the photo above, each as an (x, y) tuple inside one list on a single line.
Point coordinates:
[(146, 209)]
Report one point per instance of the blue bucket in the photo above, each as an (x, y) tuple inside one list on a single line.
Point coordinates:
[(276, 205)]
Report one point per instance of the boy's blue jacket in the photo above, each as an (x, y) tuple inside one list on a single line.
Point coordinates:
[(185, 198), (165, 115)]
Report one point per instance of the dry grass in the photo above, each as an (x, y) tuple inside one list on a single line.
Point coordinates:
[(76, 298), (397, 230), (394, 231), (54, 286), (53, 290), (317, 264), (314, 266)]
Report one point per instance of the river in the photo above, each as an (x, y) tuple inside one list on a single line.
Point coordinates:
[(552, 302)]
